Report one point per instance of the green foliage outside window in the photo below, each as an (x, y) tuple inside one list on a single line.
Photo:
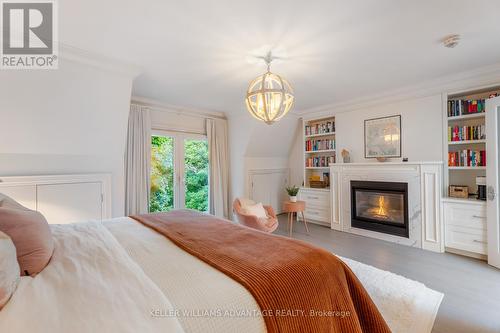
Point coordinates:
[(162, 174), (196, 171)]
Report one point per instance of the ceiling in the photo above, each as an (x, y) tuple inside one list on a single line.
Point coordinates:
[(195, 53)]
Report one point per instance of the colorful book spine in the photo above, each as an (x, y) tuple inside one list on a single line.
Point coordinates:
[(320, 128), (325, 144), (320, 161), (467, 158), (466, 133), (464, 107)]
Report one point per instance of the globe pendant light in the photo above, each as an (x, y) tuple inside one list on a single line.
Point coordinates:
[(269, 96)]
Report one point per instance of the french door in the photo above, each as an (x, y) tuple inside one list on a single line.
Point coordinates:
[(179, 171), (492, 179)]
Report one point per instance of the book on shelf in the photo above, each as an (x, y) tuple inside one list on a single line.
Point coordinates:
[(464, 107), (466, 133), (320, 161), (320, 128), (324, 144), (467, 158)]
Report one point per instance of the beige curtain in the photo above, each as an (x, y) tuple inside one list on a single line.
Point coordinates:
[(138, 160), (219, 167)]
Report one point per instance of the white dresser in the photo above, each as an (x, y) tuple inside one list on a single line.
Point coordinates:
[(317, 205), (465, 226)]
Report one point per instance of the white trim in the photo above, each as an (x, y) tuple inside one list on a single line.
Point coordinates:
[(180, 110), (483, 77), (103, 178), (77, 55)]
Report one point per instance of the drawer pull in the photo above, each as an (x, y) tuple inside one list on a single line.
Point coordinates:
[(479, 217), (315, 198), (479, 241)]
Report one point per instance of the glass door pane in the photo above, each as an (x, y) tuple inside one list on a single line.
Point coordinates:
[(196, 174), (162, 174)]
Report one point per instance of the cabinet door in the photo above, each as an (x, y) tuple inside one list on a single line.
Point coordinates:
[(68, 203), (260, 188), (24, 194)]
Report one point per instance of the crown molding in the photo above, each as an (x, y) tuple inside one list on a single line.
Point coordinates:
[(99, 61), (181, 110), (482, 77)]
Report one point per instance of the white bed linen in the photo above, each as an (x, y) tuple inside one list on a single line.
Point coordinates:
[(90, 285), (191, 285)]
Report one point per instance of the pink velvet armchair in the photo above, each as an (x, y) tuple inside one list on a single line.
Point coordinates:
[(268, 224)]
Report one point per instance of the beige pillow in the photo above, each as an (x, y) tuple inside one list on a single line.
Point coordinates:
[(246, 202), (255, 210), (9, 269), (30, 233)]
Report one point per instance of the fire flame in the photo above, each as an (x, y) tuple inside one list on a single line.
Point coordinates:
[(381, 206)]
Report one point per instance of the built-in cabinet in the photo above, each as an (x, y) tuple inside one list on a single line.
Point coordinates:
[(62, 198), (317, 205), (319, 139), (268, 186), (465, 149), (465, 227)]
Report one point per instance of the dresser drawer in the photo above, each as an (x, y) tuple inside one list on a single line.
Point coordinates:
[(465, 215), (466, 239), (317, 214), (315, 198)]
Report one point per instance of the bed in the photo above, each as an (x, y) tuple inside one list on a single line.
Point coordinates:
[(122, 276)]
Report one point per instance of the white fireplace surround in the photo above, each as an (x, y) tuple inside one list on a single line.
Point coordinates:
[(424, 199)]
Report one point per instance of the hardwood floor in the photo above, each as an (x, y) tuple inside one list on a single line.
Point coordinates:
[(471, 288)]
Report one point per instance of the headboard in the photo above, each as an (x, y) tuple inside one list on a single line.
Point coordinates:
[(62, 198)]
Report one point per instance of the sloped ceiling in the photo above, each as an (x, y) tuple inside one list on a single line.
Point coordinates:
[(194, 53)]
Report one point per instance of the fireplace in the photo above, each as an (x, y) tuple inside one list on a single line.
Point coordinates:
[(380, 206)]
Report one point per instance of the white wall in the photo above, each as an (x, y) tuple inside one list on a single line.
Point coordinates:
[(176, 121), (70, 120), (421, 127), (255, 145)]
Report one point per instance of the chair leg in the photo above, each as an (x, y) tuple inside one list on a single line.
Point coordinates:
[(305, 222)]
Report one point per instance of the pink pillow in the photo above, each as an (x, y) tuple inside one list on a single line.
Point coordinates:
[(29, 232), (9, 269)]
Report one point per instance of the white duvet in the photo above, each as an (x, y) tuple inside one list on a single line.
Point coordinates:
[(90, 285), (120, 276)]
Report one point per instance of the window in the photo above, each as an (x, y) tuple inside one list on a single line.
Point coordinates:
[(179, 172)]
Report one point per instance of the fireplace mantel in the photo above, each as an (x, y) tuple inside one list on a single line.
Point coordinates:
[(424, 181)]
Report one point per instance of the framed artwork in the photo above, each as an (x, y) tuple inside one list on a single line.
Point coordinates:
[(383, 137)]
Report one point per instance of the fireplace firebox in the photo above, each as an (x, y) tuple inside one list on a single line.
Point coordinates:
[(380, 206)]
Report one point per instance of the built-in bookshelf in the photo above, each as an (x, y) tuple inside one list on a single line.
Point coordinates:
[(466, 138), (319, 149)]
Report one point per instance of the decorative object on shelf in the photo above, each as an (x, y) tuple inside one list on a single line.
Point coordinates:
[(345, 156), (405, 159), (381, 159), (292, 193), (459, 191), (269, 96), (383, 137), (317, 181), (481, 188)]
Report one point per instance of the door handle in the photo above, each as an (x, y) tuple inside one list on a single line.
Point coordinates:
[(491, 193)]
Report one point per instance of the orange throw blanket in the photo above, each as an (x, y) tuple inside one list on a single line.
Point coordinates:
[(298, 287)]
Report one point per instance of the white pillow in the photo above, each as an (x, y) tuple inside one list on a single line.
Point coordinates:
[(246, 202), (255, 210), (9, 269)]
